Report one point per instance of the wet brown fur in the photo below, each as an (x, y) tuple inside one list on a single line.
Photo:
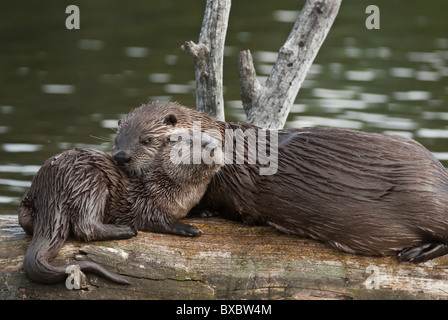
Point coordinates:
[(361, 193), (84, 193)]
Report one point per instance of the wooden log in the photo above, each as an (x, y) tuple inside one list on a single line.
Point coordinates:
[(229, 261)]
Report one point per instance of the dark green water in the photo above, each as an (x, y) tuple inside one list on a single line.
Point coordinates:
[(61, 88)]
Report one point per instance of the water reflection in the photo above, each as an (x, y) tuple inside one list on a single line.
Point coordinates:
[(62, 89), (21, 147), (432, 133), (402, 72), (285, 15), (159, 77), (357, 75), (58, 88), (15, 183), (179, 88), (89, 44), (136, 52), (23, 169), (384, 121), (11, 201), (308, 121), (412, 95)]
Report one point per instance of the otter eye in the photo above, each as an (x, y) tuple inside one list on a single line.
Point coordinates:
[(146, 142)]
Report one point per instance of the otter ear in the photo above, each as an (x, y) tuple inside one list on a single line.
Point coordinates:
[(119, 122), (170, 120)]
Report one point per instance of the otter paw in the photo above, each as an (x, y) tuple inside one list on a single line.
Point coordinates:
[(423, 252), (107, 232), (185, 230), (124, 232)]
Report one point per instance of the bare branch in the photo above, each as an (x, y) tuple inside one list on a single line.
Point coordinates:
[(268, 106), (194, 50), (208, 56), (249, 85)]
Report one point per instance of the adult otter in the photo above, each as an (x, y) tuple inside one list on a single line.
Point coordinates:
[(84, 193), (361, 193)]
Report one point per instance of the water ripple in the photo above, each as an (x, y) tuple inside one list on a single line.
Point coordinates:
[(21, 147), (58, 88)]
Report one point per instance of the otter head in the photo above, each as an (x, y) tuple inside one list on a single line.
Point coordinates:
[(139, 139)]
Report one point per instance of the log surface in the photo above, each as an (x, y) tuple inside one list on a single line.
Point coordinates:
[(229, 261)]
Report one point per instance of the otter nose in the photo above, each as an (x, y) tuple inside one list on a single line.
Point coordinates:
[(122, 157)]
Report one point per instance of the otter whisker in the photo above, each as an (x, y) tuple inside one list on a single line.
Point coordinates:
[(102, 138)]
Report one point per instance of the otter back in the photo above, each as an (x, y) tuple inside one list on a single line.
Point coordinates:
[(361, 193)]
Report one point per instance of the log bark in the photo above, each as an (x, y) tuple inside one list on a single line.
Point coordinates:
[(208, 56), (229, 261), (268, 105)]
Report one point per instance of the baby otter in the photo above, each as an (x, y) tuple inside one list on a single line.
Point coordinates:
[(361, 193), (84, 193)]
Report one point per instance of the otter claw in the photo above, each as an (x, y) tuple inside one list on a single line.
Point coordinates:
[(186, 230), (423, 252), (177, 228)]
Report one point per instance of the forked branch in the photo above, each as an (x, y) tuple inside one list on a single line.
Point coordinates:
[(265, 105), (268, 106)]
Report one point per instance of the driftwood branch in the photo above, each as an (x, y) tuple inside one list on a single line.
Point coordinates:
[(265, 105), (268, 106), (208, 55), (229, 261)]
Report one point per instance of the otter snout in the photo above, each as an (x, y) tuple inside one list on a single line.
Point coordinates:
[(121, 158)]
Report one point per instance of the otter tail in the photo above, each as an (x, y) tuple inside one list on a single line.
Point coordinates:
[(45, 245), (38, 268)]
